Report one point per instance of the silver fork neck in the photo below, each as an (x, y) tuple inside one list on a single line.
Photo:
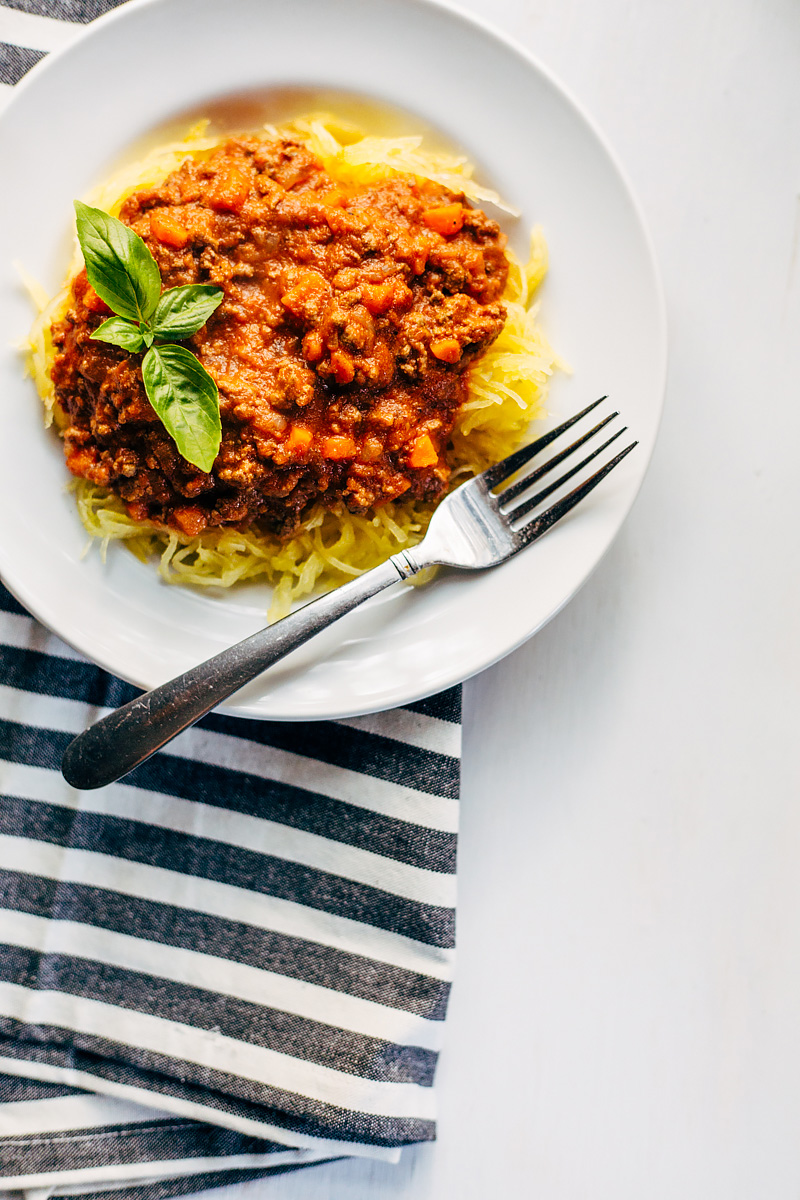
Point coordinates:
[(405, 565)]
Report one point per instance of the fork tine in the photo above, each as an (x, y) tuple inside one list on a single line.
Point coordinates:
[(529, 505), (539, 525), (509, 466), (523, 485)]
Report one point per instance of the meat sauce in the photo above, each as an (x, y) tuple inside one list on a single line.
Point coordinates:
[(340, 349)]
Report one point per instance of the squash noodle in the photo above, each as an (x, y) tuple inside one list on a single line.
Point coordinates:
[(507, 391)]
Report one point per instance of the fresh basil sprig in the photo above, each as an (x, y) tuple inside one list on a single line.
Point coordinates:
[(125, 275)]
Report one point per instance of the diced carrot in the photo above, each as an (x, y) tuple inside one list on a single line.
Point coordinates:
[(229, 190), (446, 220), (342, 366), (299, 438), (312, 346), (137, 510), (81, 461), (423, 453), (403, 296), (306, 297), (165, 227), (94, 303), (447, 349), (338, 447), (377, 297), (335, 197), (190, 519)]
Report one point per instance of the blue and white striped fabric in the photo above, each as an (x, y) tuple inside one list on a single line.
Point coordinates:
[(236, 962)]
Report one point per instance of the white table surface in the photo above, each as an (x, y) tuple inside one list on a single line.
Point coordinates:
[(625, 1020)]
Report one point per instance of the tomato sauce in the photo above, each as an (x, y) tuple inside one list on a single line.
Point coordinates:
[(340, 349)]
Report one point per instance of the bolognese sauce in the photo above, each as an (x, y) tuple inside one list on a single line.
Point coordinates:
[(350, 315)]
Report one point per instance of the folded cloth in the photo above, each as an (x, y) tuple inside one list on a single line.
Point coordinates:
[(243, 949), (58, 1140)]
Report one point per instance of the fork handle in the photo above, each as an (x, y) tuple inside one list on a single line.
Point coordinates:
[(129, 735)]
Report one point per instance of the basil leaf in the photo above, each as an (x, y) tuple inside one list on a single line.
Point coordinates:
[(186, 399), (120, 268), (120, 332), (183, 310)]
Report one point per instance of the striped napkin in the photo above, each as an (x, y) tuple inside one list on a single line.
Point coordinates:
[(236, 962)]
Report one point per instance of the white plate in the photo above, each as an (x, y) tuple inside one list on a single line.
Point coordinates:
[(602, 306)]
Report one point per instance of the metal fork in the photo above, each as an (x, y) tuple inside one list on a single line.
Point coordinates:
[(475, 527)]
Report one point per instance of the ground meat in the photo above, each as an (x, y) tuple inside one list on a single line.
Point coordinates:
[(340, 349)]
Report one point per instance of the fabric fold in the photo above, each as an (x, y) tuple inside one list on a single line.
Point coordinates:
[(234, 962)]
